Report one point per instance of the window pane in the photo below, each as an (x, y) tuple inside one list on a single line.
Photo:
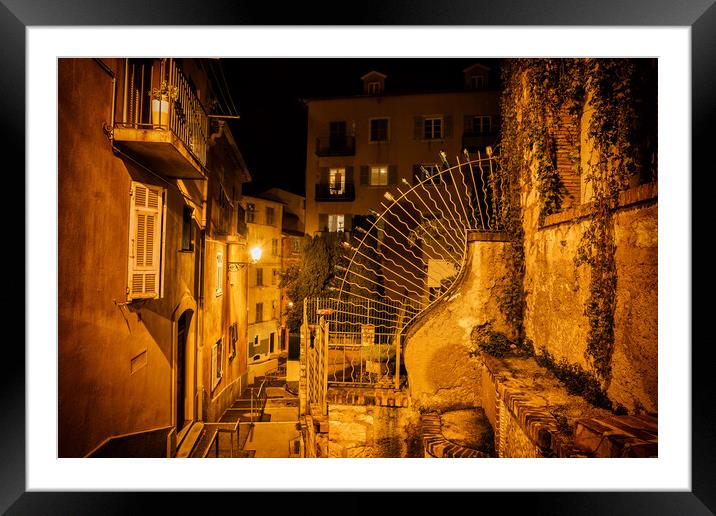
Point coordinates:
[(379, 176)]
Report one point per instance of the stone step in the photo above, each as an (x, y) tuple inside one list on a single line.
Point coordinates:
[(187, 444)]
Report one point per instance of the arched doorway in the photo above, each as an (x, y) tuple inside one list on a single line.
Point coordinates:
[(184, 369)]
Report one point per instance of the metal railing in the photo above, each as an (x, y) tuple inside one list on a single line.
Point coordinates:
[(416, 247), (325, 192), (335, 146), (156, 95), (362, 345), (398, 266)]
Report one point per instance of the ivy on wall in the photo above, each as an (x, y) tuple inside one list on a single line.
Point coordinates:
[(538, 94)]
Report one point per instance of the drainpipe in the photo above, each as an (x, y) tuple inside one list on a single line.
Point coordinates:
[(109, 72)]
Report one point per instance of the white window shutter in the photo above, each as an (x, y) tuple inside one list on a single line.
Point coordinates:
[(145, 241)]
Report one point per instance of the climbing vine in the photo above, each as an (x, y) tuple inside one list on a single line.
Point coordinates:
[(541, 97)]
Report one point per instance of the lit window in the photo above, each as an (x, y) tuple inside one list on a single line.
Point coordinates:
[(379, 130), (337, 181), (336, 223), (433, 128), (379, 175)]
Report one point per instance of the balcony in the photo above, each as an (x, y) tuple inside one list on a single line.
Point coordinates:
[(327, 193), (159, 120), (336, 146), (473, 141)]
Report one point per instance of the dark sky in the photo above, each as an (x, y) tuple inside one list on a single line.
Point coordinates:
[(266, 92)]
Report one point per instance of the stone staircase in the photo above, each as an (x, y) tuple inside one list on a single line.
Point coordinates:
[(457, 434)]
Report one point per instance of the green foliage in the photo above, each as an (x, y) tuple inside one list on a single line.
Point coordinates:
[(576, 380), (313, 276), (540, 97)]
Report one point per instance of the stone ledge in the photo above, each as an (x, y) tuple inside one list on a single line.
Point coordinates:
[(436, 445), (607, 435), (638, 195), (368, 396)]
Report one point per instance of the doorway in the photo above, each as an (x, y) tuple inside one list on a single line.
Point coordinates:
[(181, 397)]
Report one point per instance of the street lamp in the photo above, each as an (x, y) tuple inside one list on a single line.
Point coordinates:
[(255, 254)]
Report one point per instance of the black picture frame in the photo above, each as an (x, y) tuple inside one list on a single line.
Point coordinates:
[(699, 15)]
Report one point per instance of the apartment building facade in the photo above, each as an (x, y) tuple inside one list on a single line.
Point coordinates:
[(263, 220), (146, 186), (361, 146)]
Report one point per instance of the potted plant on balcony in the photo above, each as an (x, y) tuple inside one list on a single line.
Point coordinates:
[(160, 103)]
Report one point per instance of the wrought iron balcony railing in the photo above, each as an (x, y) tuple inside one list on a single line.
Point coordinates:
[(328, 193), (157, 104), (336, 146)]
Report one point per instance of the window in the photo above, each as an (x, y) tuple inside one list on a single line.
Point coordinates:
[(374, 88), (274, 247), (432, 128), (219, 273), (233, 337), (336, 223), (259, 277), (295, 245), (259, 312), (478, 82), (187, 230), (481, 125), (274, 276), (379, 130), (273, 309), (421, 172), (337, 134), (337, 181), (145, 241), (223, 213), (217, 361), (379, 175), (250, 213), (269, 215)]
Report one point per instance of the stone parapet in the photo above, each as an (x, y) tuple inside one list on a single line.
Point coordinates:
[(368, 396), (525, 426)]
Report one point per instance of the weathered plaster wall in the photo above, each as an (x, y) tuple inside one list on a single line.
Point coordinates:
[(439, 357), (116, 362), (557, 291)]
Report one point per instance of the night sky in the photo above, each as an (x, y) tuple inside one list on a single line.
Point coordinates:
[(266, 93)]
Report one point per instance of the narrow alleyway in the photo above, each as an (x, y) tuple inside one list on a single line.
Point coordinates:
[(261, 423)]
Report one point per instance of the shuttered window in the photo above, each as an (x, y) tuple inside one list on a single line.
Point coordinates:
[(145, 241), (219, 273)]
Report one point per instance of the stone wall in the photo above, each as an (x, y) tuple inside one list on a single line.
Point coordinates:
[(443, 372), (372, 423), (557, 291)]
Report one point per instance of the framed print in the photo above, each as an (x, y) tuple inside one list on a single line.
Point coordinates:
[(38, 479)]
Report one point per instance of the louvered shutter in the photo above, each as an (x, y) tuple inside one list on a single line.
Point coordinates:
[(145, 237), (392, 175), (322, 222), (416, 174), (349, 175), (347, 222), (447, 130), (364, 171), (418, 127)]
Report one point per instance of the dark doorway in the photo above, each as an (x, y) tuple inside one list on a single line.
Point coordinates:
[(182, 326), (271, 342)]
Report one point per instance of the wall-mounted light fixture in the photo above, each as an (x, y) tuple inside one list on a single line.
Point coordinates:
[(234, 265)]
